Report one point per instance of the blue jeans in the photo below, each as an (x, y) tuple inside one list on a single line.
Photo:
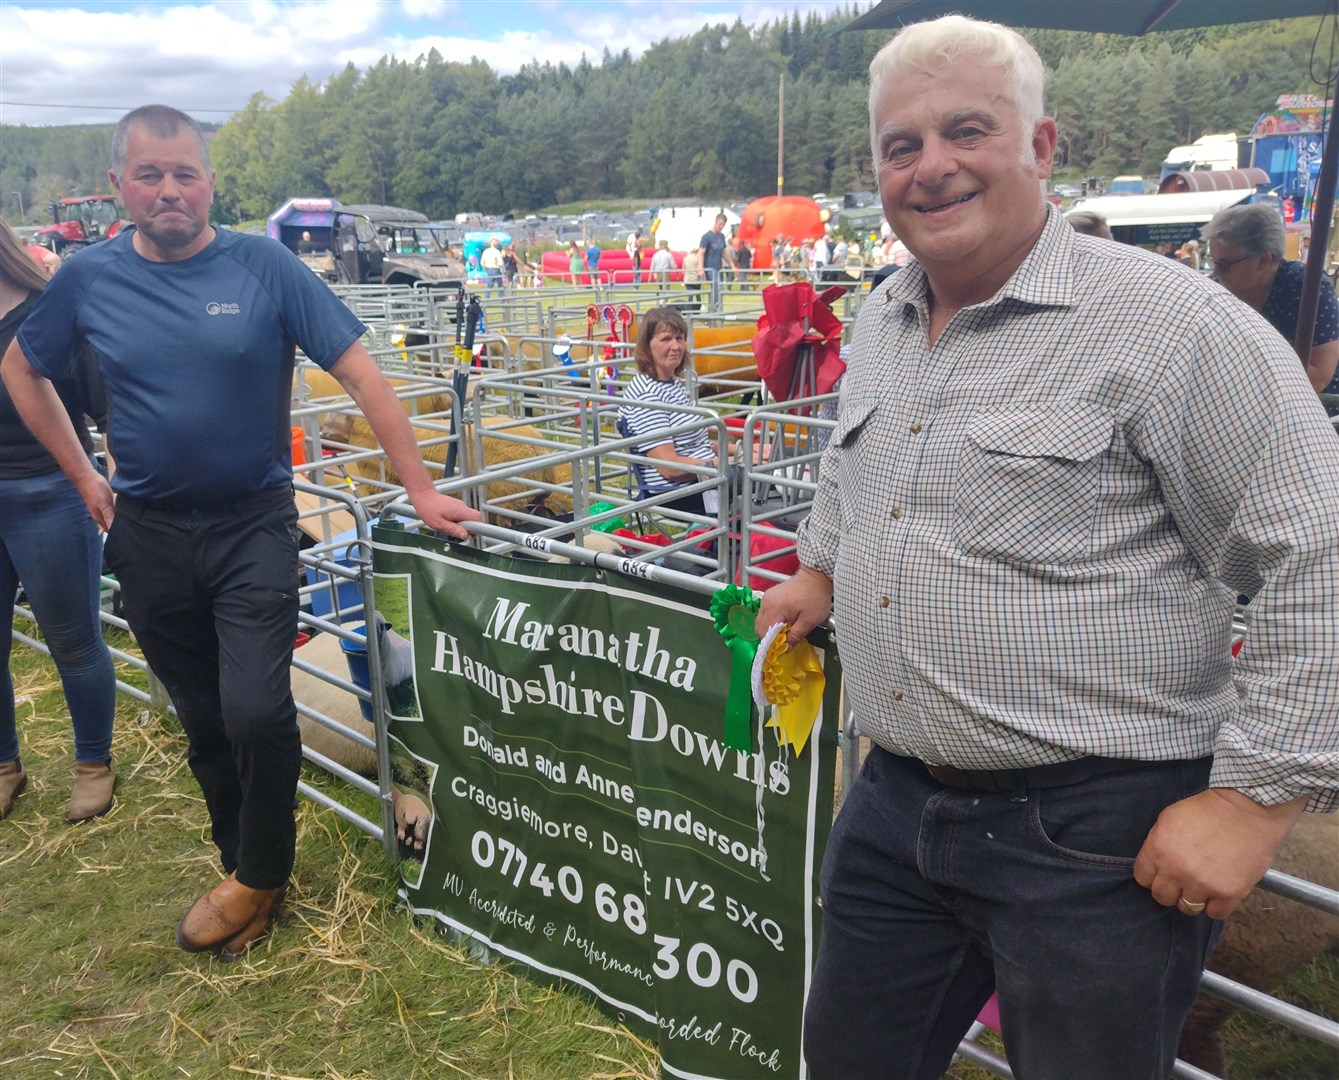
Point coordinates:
[(934, 897), (50, 544)]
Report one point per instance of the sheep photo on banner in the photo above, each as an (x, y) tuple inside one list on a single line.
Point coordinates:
[(591, 820)]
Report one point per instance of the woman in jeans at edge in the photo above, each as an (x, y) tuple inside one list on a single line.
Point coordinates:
[(49, 542)]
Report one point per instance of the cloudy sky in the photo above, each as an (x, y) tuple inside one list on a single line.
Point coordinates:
[(88, 61)]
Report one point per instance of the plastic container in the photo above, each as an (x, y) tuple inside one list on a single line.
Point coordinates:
[(359, 672), (349, 596), (299, 447)]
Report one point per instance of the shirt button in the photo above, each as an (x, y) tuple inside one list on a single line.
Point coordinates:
[(884, 601), (896, 513), (916, 429), (898, 695)]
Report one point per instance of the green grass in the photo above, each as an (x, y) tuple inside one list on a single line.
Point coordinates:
[(1257, 1049), (349, 985)]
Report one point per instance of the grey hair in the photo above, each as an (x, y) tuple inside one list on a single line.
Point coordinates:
[(161, 121), (1257, 229), (936, 44), (1089, 222)]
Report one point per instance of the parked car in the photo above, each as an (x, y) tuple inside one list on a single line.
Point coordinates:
[(368, 244)]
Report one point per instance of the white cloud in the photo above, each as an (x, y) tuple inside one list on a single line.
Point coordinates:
[(426, 9), (66, 65), (207, 57)]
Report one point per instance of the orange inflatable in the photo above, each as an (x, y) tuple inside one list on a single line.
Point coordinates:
[(792, 216)]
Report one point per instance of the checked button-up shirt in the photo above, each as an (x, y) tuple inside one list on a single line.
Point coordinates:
[(1037, 527)]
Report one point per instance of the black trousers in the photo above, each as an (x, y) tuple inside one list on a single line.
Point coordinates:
[(211, 593)]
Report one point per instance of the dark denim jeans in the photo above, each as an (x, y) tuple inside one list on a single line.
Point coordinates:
[(50, 544), (211, 594), (933, 898)]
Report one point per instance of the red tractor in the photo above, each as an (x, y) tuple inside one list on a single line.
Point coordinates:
[(80, 221)]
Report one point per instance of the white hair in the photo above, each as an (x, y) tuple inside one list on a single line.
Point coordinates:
[(938, 43)]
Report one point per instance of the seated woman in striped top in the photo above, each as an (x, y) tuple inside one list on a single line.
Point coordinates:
[(662, 355)]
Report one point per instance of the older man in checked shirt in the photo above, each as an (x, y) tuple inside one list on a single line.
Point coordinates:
[(1056, 464)]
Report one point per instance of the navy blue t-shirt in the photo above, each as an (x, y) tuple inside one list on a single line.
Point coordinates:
[(713, 245), (197, 357), (1285, 297)]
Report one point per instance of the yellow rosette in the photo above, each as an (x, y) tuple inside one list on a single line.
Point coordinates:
[(789, 677)]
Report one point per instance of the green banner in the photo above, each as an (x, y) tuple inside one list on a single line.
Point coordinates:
[(565, 726)]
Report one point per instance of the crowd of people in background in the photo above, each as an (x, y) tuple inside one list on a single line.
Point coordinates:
[(722, 261)]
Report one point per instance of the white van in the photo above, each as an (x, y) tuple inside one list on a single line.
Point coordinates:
[(1208, 152), (1146, 220)]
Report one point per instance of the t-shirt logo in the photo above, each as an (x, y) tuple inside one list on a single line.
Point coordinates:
[(215, 308)]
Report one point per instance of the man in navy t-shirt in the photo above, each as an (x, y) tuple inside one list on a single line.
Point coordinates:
[(711, 248), (1246, 245), (196, 330)]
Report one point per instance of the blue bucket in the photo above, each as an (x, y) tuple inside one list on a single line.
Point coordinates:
[(359, 673)]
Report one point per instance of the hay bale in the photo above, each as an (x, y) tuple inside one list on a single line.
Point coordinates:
[(499, 451), (352, 429), (324, 387), (731, 350)]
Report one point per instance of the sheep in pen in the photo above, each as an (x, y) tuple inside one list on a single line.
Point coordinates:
[(544, 492)]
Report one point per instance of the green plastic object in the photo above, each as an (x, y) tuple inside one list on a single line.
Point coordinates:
[(605, 526)]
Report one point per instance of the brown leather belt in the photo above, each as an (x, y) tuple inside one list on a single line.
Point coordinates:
[(1059, 774)]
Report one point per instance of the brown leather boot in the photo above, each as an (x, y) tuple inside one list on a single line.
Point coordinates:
[(253, 931), (92, 793), (12, 780), (228, 918)]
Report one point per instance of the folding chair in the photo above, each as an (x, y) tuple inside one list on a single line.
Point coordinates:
[(645, 522)]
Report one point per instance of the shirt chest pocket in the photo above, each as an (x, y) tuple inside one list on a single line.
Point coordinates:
[(1028, 483), (853, 436)]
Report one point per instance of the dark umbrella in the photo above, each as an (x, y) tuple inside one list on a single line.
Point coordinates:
[(1137, 17), (1131, 17)]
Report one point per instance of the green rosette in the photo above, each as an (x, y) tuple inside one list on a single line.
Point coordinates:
[(733, 610)]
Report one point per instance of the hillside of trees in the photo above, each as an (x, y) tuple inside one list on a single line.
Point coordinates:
[(694, 117)]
